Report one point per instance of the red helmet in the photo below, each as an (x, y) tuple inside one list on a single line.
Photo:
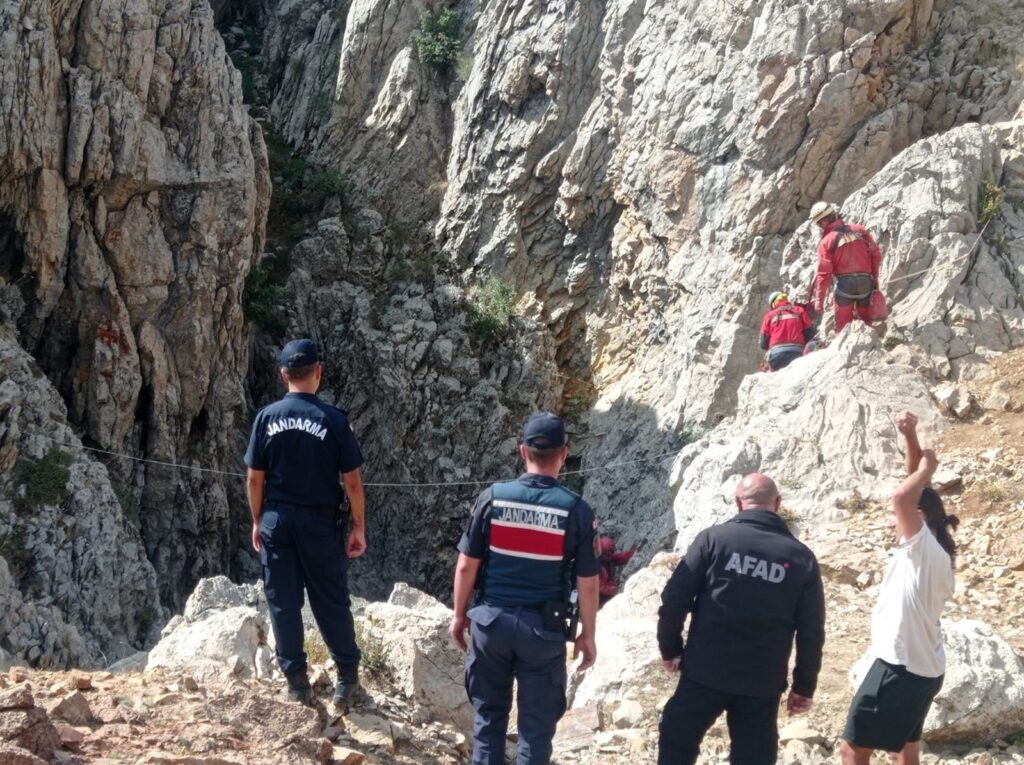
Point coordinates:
[(607, 545)]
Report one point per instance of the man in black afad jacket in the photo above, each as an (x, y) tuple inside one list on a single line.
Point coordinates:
[(750, 585)]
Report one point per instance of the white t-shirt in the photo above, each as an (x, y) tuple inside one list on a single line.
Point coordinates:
[(905, 627)]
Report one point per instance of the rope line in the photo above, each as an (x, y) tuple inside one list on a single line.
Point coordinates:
[(969, 253), (407, 485), (905, 277)]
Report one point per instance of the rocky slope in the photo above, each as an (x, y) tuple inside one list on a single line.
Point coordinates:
[(635, 174), (133, 195), (640, 174)]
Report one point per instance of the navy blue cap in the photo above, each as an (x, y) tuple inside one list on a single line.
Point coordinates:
[(299, 353), (544, 431)]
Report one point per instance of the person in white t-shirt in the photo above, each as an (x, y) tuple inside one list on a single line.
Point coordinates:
[(889, 708)]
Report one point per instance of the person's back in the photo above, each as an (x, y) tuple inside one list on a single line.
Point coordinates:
[(785, 330), (300, 437), (749, 586), (905, 627), (526, 541), (849, 246), (849, 260), (741, 634)]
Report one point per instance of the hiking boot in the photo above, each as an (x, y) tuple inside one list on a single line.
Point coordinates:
[(299, 690), (347, 685)]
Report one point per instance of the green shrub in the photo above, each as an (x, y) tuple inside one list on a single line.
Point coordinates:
[(327, 183), (44, 479), (439, 38), (989, 197), (315, 648), (892, 341), (378, 309), (400, 234), (262, 298), (374, 659), (788, 515), (573, 481), (576, 407), (492, 307), (419, 269), (300, 190)]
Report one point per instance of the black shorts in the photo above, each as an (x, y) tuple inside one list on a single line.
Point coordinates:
[(889, 708)]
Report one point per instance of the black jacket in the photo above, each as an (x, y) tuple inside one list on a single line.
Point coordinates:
[(750, 586)]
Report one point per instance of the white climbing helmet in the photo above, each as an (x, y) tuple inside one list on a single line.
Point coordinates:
[(822, 210), (773, 297)]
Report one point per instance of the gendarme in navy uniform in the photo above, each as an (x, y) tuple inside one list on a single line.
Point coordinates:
[(303, 459), (526, 542), (749, 587)]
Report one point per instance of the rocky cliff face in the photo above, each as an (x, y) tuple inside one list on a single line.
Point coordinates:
[(641, 173), (638, 172), (133, 191)]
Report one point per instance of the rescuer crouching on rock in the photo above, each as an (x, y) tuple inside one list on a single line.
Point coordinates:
[(785, 331)]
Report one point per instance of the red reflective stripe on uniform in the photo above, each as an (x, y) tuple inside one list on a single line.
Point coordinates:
[(520, 539)]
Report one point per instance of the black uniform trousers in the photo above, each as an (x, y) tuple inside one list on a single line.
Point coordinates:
[(512, 644), (752, 722), (305, 548)]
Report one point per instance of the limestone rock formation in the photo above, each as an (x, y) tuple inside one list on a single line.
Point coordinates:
[(630, 664), (434, 399), (133, 191), (223, 631), (411, 631), (223, 643), (822, 428), (75, 583)]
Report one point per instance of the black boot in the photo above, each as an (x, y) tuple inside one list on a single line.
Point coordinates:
[(298, 689), (348, 684)]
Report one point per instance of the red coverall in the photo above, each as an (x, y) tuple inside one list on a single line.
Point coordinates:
[(846, 249), (785, 327), (607, 586)]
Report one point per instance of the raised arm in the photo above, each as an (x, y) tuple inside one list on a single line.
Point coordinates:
[(904, 501), (906, 423)]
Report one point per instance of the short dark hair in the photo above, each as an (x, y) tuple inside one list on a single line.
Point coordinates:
[(297, 374), (939, 522), (543, 455)]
